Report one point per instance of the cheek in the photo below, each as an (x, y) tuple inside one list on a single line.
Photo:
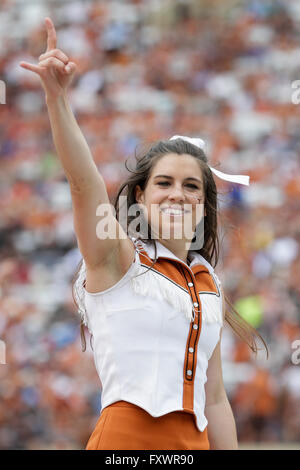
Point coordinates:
[(194, 197), (150, 207), (200, 213), (157, 192), (154, 195)]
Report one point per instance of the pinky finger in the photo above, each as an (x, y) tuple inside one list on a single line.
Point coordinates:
[(31, 67), (70, 67)]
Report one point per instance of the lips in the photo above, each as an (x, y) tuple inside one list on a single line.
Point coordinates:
[(177, 211)]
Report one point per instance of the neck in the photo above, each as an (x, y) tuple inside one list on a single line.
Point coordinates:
[(177, 247)]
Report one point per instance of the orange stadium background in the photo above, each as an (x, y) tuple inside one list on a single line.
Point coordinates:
[(225, 71)]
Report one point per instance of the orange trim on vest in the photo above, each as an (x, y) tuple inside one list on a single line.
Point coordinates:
[(179, 273)]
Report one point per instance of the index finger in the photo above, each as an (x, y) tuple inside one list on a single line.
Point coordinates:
[(51, 38)]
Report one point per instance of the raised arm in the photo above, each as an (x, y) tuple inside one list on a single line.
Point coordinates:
[(87, 186)]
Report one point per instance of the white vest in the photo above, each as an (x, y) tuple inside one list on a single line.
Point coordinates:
[(144, 330)]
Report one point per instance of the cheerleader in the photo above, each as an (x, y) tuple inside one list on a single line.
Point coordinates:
[(150, 298)]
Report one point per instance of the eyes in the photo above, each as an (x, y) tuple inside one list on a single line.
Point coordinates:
[(166, 183)]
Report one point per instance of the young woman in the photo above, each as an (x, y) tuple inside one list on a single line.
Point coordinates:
[(150, 298)]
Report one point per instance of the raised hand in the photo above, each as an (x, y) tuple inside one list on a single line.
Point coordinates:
[(54, 68)]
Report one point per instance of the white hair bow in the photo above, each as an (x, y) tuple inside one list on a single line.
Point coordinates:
[(240, 179)]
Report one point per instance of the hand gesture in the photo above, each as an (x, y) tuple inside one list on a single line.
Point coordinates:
[(54, 68)]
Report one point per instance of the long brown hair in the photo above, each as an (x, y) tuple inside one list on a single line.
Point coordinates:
[(210, 247)]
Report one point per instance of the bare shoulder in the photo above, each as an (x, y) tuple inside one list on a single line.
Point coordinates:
[(111, 270)]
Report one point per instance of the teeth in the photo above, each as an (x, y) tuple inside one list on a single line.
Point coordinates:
[(173, 211)]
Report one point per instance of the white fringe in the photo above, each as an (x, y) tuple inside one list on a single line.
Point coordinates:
[(157, 286), (79, 294), (211, 308)]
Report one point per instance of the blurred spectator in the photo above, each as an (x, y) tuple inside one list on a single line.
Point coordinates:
[(148, 70)]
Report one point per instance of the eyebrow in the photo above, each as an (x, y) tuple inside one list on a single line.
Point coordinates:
[(170, 178)]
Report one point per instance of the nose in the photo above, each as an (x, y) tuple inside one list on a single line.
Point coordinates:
[(176, 193)]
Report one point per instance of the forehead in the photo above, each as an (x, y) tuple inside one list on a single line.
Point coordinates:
[(172, 164)]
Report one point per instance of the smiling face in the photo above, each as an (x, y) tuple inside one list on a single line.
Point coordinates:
[(173, 200)]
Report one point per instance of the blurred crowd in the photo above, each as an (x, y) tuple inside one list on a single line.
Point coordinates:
[(219, 70)]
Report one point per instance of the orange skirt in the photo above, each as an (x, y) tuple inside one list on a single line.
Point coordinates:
[(125, 426)]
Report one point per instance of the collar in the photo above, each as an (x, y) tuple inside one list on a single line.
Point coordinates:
[(163, 252)]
